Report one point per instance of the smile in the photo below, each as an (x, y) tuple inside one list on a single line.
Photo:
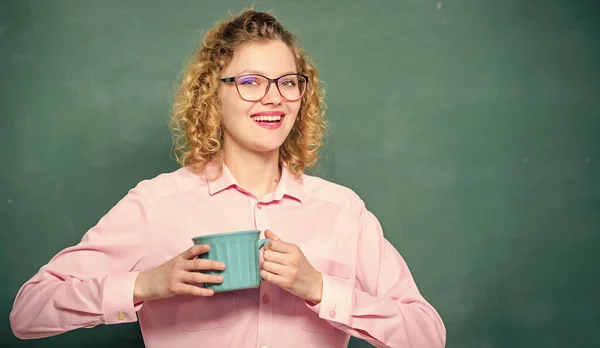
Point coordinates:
[(263, 118), (268, 121)]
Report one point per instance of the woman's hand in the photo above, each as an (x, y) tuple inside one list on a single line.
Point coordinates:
[(286, 266), (178, 276)]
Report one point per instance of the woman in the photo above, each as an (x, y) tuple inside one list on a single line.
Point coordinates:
[(249, 122)]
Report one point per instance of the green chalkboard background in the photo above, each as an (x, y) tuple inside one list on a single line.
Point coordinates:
[(471, 128)]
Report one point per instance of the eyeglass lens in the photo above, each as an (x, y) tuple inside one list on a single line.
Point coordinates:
[(254, 87)]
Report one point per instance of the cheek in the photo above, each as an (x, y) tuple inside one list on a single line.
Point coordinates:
[(295, 110), (233, 110)]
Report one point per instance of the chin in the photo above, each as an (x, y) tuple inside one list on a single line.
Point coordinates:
[(267, 148)]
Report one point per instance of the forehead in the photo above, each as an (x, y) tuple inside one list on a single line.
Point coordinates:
[(271, 58)]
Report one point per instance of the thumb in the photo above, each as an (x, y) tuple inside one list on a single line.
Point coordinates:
[(269, 234)]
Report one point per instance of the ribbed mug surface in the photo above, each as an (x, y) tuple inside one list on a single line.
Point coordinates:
[(239, 251)]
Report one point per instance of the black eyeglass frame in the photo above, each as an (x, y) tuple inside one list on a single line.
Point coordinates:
[(270, 81)]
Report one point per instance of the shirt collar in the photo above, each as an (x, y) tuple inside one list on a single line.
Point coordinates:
[(218, 178), (289, 185)]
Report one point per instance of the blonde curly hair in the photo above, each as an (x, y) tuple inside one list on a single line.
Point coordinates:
[(196, 120)]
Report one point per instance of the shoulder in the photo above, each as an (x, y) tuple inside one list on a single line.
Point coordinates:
[(325, 190), (169, 183)]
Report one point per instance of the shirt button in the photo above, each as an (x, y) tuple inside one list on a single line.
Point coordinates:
[(121, 316), (266, 299), (332, 314), (259, 205)]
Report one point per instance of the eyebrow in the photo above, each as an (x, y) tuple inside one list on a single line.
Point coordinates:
[(257, 72)]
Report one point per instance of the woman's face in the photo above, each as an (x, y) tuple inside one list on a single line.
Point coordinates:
[(257, 126)]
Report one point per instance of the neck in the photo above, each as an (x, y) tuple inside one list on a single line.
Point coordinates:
[(256, 172)]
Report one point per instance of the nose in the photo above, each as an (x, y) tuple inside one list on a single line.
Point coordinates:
[(272, 96)]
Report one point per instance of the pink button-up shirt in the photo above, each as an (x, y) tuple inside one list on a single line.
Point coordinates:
[(368, 291)]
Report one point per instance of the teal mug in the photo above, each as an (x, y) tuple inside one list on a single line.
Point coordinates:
[(239, 252)]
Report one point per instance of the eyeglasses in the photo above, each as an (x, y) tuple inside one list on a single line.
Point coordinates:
[(254, 87)]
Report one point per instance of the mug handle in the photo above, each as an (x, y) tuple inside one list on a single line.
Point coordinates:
[(261, 242)]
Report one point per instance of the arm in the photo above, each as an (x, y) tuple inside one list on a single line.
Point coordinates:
[(87, 284), (384, 307)]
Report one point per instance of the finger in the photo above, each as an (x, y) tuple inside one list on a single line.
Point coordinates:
[(186, 289), (274, 268), (272, 278), (277, 257), (200, 278), (194, 251), (282, 247), (203, 265), (269, 234)]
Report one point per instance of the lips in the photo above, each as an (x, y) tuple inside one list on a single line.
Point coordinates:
[(265, 118), (268, 119)]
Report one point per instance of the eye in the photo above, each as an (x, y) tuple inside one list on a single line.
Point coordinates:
[(248, 81), (288, 82)]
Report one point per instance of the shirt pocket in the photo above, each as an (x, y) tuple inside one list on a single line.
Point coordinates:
[(306, 317), (196, 313)]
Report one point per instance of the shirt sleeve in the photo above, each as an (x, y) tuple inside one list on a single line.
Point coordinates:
[(384, 306), (90, 283)]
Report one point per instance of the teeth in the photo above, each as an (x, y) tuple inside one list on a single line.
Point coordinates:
[(266, 118)]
